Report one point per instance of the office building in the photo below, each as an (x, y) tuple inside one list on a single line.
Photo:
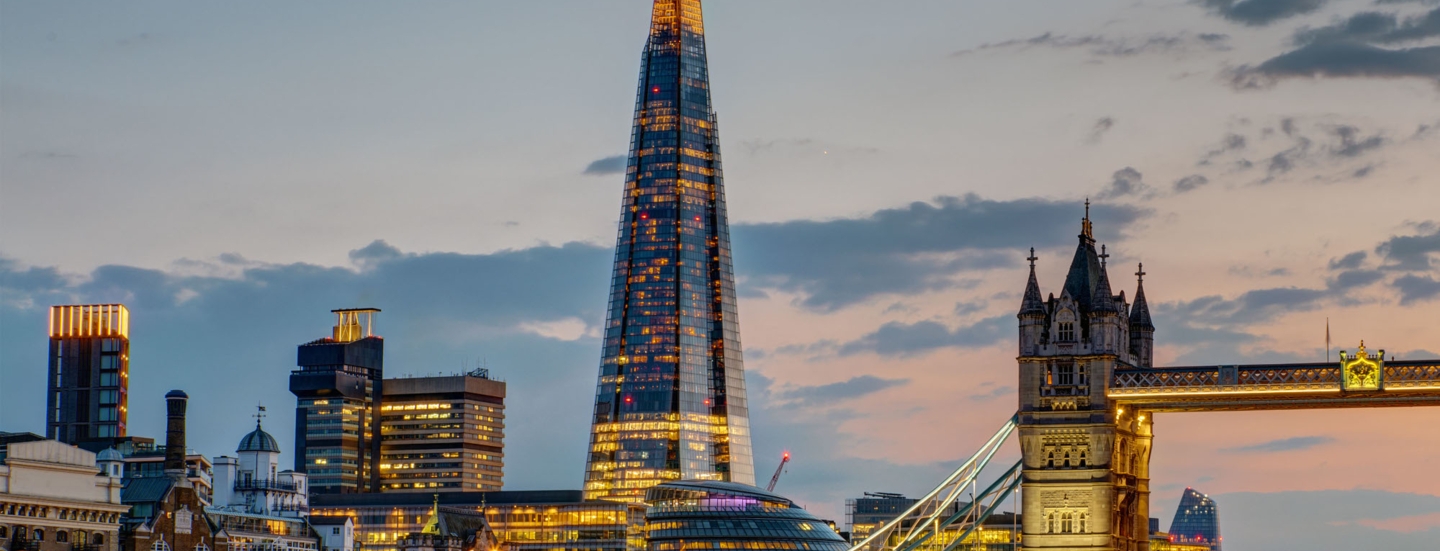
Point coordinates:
[(707, 514), (521, 521), (443, 434), (54, 497), (1197, 521), (670, 400), (89, 374), (339, 389)]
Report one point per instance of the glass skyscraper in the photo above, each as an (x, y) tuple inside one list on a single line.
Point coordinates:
[(670, 403), (1196, 520)]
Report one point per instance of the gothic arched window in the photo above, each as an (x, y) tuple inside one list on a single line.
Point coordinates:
[(37, 535), (1050, 523), (159, 545), (1080, 522)]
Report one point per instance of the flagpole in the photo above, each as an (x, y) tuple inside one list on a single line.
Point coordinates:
[(1327, 339)]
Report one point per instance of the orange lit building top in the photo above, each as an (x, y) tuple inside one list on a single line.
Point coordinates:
[(89, 320)]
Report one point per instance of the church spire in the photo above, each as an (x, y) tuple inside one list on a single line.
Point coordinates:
[(1032, 303)]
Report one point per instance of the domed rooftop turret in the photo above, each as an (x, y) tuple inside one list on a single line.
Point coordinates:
[(109, 454), (258, 441)]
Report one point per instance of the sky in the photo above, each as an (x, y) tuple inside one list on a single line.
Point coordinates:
[(233, 171)]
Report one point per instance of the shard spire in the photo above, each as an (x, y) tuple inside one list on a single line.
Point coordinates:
[(670, 401)]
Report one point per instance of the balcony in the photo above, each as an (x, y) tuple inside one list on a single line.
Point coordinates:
[(243, 485)]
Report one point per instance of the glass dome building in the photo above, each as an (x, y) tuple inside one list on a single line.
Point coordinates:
[(702, 514)]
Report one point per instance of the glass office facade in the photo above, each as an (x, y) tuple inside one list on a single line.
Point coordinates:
[(722, 515), (670, 403), (339, 392), (1196, 521), (521, 521)]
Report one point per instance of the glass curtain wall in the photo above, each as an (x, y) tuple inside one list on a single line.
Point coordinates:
[(670, 402)]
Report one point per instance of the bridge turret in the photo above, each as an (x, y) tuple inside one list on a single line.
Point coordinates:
[(1105, 321), (1032, 314), (1142, 330)]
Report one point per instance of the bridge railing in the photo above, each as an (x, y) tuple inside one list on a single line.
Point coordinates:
[(1270, 378)]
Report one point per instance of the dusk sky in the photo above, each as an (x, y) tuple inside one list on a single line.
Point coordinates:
[(234, 171)]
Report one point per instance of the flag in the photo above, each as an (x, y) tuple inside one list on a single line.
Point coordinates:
[(1327, 339)]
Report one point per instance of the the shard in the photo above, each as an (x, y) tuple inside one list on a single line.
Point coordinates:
[(670, 403)]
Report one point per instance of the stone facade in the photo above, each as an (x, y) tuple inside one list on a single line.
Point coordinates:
[(53, 497), (1086, 475)]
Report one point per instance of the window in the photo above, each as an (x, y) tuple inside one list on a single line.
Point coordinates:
[(109, 379), (160, 545), (109, 362), (109, 397), (105, 431), (1065, 373), (1084, 374), (4, 532), (201, 547), (38, 535), (107, 413), (99, 539), (62, 536), (80, 538), (1066, 525), (335, 531), (1067, 331), (1050, 523), (110, 345)]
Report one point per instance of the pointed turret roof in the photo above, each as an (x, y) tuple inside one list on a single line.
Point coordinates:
[(1104, 300), (1140, 312), (1084, 275), (1032, 304)]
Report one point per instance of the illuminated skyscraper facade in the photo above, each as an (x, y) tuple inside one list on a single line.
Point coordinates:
[(1196, 520), (670, 403), (89, 373), (338, 391)]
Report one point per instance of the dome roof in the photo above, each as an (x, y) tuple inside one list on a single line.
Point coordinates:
[(109, 454), (258, 441)]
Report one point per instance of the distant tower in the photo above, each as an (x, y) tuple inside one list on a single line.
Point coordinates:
[(1196, 520), (89, 374), (1086, 480), (670, 400), (339, 390)]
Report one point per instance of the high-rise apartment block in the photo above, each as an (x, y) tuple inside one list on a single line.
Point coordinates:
[(670, 400), (443, 434), (339, 390), (89, 373)]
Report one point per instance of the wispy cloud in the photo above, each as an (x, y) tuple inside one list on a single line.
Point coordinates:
[(614, 164), (1283, 445)]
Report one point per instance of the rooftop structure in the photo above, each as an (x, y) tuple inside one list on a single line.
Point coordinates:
[(707, 514), (87, 402)]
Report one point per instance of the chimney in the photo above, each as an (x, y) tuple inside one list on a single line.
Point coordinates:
[(175, 401)]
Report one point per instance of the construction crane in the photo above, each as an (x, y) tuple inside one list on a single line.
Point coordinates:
[(784, 458)]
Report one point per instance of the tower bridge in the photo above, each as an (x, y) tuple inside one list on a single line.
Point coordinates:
[(1088, 396)]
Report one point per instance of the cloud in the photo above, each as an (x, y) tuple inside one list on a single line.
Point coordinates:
[(1415, 289), (1190, 183), (614, 164), (1348, 262), (1124, 183), (1231, 143), (910, 339), (1105, 46), (1283, 445), (1354, 279), (1261, 12), (1351, 145), (1330, 519), (1339, 59), (1098, 130), (854, 387), (1411, 252), (992, 394), (1374, 27), (921, 247), (967, 308)]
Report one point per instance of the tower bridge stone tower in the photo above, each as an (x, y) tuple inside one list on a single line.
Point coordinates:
[(1086, 463)]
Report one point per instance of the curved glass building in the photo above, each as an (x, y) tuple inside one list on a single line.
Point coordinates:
[(691, 515), (1196, 520)]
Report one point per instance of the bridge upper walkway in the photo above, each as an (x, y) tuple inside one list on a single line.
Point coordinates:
[(1277, 386)]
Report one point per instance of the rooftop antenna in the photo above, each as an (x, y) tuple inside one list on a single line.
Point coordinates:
[(259, 414)]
